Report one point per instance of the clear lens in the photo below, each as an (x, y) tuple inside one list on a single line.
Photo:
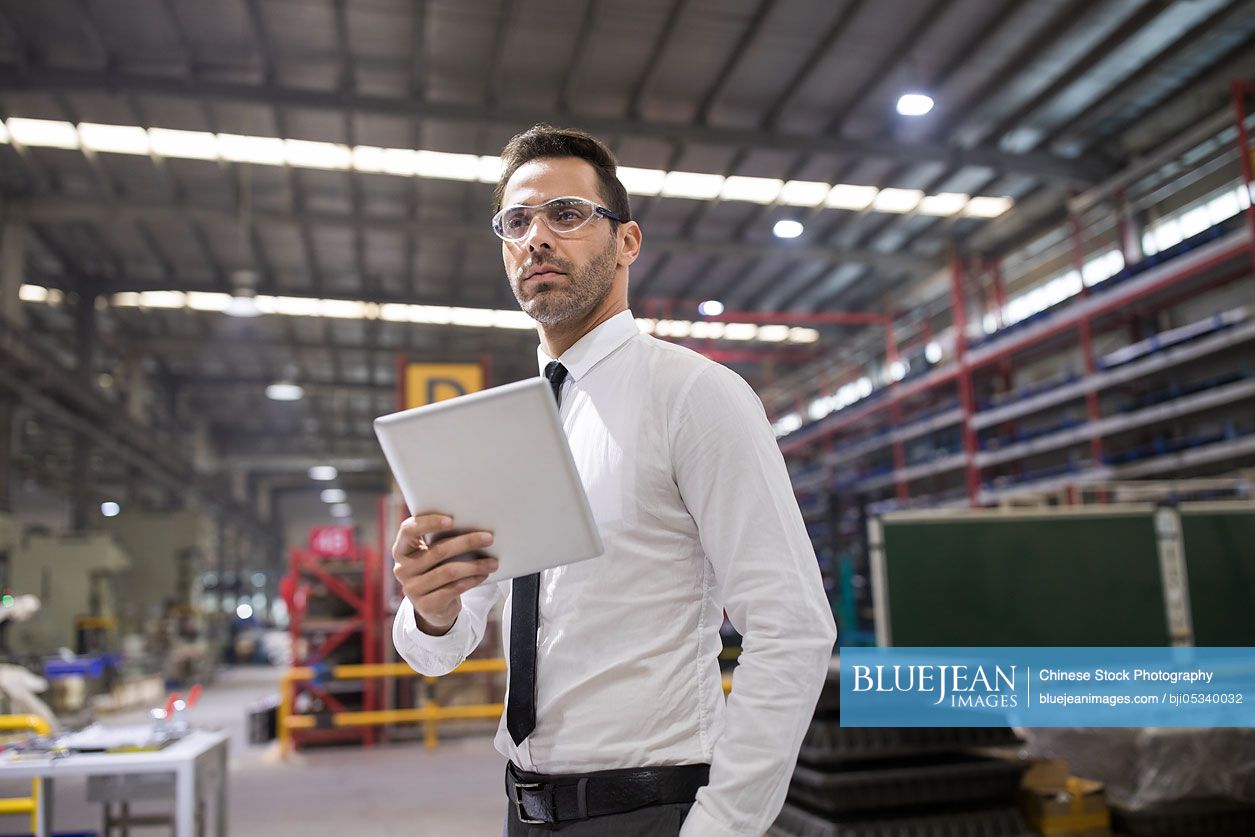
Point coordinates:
[(562, 215)]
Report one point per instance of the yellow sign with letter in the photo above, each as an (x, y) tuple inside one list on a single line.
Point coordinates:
[(427, 383)]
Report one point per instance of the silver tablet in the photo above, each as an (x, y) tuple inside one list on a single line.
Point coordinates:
[(496, 460)]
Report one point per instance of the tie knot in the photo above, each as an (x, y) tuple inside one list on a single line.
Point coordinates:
[(555, 372)]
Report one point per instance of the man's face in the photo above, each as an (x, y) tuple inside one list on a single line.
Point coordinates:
[(558, 278)]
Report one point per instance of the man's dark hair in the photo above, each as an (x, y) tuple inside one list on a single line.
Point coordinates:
[(541, 141)]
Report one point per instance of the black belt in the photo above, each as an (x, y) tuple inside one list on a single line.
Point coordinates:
[(539, 798)]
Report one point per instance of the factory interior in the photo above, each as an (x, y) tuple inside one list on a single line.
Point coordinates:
[(988, 266)]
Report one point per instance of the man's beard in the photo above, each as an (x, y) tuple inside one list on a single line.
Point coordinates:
[(570, 298)]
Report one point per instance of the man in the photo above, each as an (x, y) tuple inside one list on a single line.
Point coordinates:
[(615, 718)]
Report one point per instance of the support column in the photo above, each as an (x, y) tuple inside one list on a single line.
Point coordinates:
[(901, 489), (958, 307), (13, 237), (8, 408), (137, 393), (166, 419), (1245, 155), (80, 499), (1132, 225), (1092, 409), (85, 341)]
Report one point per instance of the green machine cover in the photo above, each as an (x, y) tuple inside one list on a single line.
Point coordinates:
[(998, 579), (1220, 569)]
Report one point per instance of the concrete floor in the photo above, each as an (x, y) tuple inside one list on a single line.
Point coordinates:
[(392, 789)]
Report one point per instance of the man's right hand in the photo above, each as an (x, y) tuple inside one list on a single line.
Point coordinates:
[(432, 582)]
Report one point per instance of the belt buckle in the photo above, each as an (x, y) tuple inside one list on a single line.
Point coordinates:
[(516, 795)]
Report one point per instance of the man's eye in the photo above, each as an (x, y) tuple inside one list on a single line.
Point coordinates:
[(568, 215), (514, 222)]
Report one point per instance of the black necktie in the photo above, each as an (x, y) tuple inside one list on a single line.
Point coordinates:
[(520, 711)]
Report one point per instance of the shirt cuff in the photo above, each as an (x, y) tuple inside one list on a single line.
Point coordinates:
[(700, 823), (444, 652)]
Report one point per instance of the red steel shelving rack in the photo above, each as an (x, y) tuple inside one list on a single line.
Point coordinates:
[(344, 628)]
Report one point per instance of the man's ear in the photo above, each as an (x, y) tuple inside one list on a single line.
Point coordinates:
[(629, 243)]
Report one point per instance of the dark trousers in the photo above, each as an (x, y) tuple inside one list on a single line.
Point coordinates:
[(655, 821)]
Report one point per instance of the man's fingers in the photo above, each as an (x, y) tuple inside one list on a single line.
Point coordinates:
[(424, 560), (410, 537), (438, 600), (459, 545), (451, 572)]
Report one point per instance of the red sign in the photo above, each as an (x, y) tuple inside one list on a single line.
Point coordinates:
[(331, 540)]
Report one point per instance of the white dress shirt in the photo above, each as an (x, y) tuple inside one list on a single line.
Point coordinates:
[(690, 493)]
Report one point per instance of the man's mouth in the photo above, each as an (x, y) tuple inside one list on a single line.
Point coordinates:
[(541, 273)]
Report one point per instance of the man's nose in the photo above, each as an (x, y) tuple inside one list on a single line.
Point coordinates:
[(538, 235)]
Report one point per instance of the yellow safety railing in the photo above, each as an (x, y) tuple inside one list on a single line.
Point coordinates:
[(25, 804), (430, 714)]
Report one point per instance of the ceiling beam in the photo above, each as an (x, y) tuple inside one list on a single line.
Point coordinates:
[(51, 80), (53, 394), (54, 210)]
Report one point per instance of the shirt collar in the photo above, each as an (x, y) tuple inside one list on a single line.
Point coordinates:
[(595, 346)]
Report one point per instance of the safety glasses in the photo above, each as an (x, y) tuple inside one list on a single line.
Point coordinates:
[(565, 216)]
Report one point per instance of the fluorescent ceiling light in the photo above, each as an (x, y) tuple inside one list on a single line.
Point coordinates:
[(285, 391), (345, 309), (687, 184), (787, 424), (242, 306), (194, 145), (740, 331), (317, 155), (341, 510), (773, 333), (290, 306), (44, 132), (367, 158), (914, 104), (513, 319), (804, 193), (490, 169), (803, 335), (787, 228), (932, 352), (118, 139), (333, 495), (845, 196), (32, 293), (407, 162), (945, 203), (266, 151), (641, 181), (706, 330), (244, 610), (986, 207), (207, 301), (672, 328), (110, 508), (162, 299), (753, 189), (710, 308), (448, 166), (323, 473), (897, 200)]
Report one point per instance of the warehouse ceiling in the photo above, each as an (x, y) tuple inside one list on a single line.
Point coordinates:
[(1034, 101)]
